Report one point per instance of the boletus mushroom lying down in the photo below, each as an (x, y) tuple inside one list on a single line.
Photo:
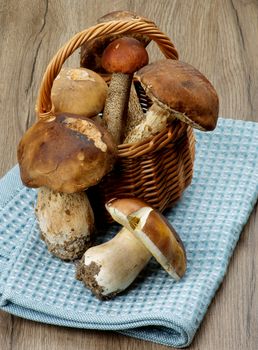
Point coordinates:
[(177, 91), (62, 156), (109, 268)]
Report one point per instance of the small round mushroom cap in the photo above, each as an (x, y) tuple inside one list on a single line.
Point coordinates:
[(153, 230), (92, 50), (65, 153), (122, 16), (182, 89), (79, 91), (124, 55)]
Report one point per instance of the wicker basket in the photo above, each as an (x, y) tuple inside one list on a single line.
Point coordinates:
[(157, 169)]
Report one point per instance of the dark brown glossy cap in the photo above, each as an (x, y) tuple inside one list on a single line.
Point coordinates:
[(124, 55), (91, 51), (181, 88), (67, 153)]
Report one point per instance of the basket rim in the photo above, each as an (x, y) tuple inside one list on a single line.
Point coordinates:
[(171, 133), (44, 106)]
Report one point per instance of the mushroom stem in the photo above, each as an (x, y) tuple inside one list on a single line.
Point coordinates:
[(109, 268), (66, 222), (135, 113), (155, 121), (116, 104)]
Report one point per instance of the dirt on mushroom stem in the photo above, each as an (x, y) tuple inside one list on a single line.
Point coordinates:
[(109, 268)]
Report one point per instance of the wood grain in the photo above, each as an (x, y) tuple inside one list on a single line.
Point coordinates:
[(220, 38)]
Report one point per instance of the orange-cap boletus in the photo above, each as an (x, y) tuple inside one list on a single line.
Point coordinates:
[(92, 50), (121, 58)]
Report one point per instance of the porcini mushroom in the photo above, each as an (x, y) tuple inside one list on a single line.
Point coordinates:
[(64, 155), (109, 268), (153, 230), (177, 90), (121, 58), (92, 51), (79, 91)]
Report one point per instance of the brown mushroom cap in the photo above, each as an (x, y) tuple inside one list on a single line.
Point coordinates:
[(79, 91), (122, 16), (153, 230), (124, 55), (65, 153), (179, 87), (91, 51)]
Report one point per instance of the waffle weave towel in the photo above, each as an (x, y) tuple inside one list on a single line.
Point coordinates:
[(209, 219)]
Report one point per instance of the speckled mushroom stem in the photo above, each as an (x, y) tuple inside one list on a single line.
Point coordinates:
[(135, 113), (66, 222), (109, 268), (116, 104), (155, 120)]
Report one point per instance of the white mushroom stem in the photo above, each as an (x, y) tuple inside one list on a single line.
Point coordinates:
[(66, 222), (116, 104), (135, 113), (155, 121), (111, 267)]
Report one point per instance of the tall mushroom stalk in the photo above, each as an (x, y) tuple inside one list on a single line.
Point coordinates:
[(121, 58), (135, 114), (109, 268), (63, 156)]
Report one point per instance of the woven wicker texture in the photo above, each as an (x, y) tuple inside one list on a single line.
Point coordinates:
[(157, 169), (159, 176), (209, 218)]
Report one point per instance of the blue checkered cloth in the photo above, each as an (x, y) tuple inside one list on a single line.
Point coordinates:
[(209, 218)]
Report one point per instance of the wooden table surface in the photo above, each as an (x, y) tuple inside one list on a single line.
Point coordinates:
[(219, 37)]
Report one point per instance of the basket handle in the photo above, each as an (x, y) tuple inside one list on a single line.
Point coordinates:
[(44, 105)]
